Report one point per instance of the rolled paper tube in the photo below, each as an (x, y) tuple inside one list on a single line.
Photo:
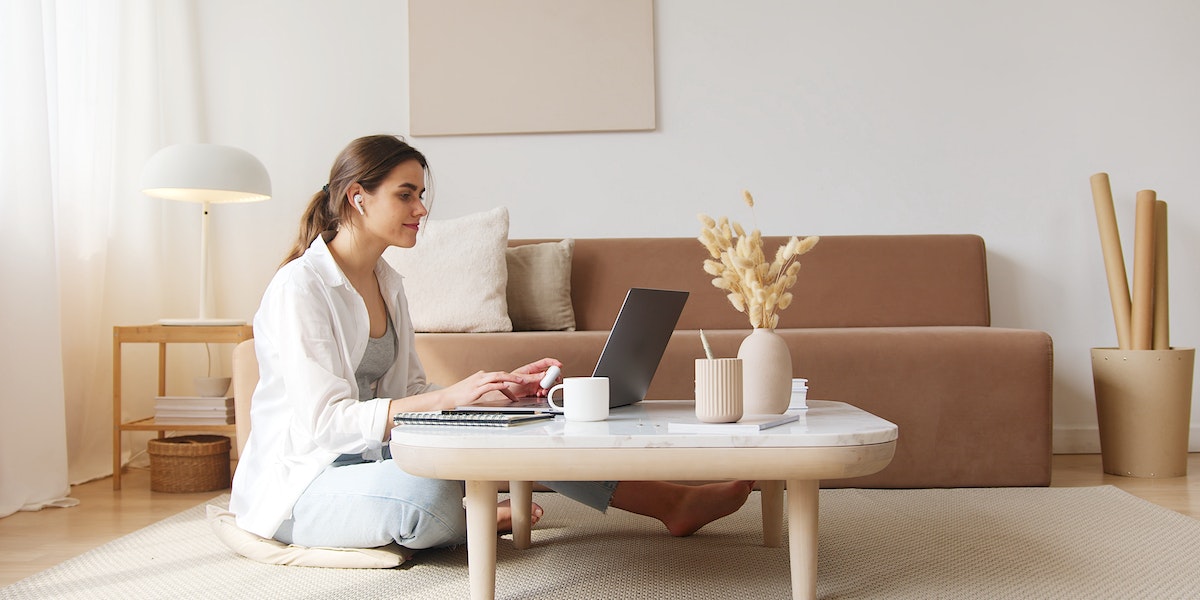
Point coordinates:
[(1114, 259), (1162, 319), (1142, 323)]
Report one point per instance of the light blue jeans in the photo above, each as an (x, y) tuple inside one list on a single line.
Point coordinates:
[(371, 504)]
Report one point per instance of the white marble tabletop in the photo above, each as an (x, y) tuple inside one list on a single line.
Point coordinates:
[(644, 425)]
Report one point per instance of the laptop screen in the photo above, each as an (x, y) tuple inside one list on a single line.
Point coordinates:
[(637, 342), (632, 352)]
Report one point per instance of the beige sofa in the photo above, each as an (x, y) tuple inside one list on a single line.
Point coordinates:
[(898, 325)]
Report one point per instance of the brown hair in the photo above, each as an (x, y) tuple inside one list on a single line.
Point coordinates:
[(366, 161)]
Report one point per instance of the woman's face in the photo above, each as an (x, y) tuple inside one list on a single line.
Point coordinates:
[(393, 213)]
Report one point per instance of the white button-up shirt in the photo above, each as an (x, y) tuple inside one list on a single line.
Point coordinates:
[(310, 334)]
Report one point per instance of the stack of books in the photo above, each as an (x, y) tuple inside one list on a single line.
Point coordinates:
[(193, 410)]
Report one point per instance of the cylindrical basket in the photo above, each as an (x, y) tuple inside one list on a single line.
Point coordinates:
[(190, 463), (1144, 407)]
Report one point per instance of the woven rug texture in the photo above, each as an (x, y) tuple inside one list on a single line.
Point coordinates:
[(1065, 543)]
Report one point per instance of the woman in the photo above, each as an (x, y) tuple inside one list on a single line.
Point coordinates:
[(336, 361)]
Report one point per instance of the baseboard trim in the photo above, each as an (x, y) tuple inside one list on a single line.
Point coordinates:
[(1086, 440)]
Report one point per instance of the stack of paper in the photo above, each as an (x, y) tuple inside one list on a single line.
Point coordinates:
[(194, 410)]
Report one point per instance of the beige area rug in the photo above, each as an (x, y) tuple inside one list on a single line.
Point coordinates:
[(1082, 543)]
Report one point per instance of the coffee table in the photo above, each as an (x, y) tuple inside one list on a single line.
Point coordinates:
[(831, 440)]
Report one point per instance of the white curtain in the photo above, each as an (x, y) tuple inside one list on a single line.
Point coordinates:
[(91, 89), (33, 449)]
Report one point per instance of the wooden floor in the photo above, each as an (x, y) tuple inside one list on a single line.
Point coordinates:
[(33, 541)]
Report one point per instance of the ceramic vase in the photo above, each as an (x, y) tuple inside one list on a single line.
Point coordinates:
[(766, 373)]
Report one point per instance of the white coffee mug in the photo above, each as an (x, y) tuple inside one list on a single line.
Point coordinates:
[(584, 398)]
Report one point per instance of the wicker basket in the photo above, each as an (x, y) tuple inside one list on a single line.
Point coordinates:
[(190, 463)]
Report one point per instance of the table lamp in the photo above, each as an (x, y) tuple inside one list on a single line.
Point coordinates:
[(205, 173)]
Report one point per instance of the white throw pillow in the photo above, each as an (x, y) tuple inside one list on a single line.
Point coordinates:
[(456, 276)]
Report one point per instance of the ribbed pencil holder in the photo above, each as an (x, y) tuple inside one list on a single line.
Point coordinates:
[(718, 390), (190, 463)]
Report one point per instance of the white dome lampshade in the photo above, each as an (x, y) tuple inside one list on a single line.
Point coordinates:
[(205, 173)]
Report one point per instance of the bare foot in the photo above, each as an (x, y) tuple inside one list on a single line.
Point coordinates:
[(504, 516), (698, 506)]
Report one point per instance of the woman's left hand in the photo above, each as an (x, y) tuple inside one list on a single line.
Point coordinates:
[(537, 369)]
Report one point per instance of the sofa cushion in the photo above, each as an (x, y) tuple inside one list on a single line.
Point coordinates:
[(456, 276), (846, 281), (973, 404), (539, 286)]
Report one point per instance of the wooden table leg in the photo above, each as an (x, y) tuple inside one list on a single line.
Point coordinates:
[(116, 441), (772, 512), (802, 501), (481, 538), (520, 495)]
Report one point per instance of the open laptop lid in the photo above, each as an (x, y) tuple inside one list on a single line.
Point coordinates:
[(631, 354), (636, 344)]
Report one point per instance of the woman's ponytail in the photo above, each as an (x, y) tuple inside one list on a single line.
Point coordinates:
[(317, 219)]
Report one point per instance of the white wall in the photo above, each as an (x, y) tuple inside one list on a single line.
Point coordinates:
[(869, 116)]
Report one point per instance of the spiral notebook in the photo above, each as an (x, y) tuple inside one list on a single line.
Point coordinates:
[(479, 419)]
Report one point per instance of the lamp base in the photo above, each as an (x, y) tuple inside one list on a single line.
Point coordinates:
[(195, 322)]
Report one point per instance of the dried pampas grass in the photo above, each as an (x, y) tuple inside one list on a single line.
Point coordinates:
[(739, 266)]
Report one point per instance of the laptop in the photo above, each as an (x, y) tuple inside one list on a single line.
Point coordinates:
[(632, 352)]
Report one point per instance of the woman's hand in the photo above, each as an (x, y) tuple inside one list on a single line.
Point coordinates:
[(480, 389), (483, 389), (495, 388), (533, 372)]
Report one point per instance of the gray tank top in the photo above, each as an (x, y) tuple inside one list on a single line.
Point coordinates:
[(380, 355)]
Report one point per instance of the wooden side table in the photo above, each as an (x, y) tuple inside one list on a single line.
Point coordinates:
[(163, 335)]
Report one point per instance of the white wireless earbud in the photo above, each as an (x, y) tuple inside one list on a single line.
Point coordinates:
[(358, 204), (551, 376)]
